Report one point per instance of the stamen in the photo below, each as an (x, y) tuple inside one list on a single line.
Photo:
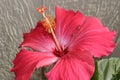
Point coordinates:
[(49, 24)]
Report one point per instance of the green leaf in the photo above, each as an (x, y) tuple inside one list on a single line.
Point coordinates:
[(96, 73), (107, 69)]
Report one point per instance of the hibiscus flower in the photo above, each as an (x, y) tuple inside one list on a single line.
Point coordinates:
[(71, 42)]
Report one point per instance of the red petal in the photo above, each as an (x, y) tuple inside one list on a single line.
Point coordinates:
[(26, 61), (76, 65), (67, 23), (95, 38), (39, 39)]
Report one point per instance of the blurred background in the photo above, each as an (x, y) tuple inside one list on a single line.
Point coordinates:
[(19, 16)]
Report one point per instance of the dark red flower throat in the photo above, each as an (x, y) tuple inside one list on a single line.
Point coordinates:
[(60, 54)]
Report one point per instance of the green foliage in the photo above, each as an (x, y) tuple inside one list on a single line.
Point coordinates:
[(107, 69), (116, 76)]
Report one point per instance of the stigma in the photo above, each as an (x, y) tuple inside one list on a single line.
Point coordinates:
[(47, 21)]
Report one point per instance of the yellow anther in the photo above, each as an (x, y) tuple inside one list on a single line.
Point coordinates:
[(48, 22), (47, 25)]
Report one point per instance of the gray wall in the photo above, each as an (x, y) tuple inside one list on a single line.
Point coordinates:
[(18, 16)]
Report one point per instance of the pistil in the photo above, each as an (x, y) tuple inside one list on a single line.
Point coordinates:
[(49, 25)]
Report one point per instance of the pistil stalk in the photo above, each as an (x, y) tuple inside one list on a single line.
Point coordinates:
[(50, 28)]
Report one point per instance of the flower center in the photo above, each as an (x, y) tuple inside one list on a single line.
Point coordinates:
[(60, 54), (49, 24)]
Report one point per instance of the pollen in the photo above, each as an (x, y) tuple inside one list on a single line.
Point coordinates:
[(47, 21), (48, 25)]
